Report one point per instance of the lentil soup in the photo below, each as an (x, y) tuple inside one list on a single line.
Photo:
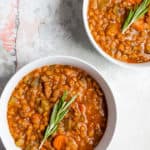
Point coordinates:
[(32, 101), (106, 18)]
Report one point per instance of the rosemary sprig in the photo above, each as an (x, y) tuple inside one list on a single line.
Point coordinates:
[(60, 109), (139, 11)]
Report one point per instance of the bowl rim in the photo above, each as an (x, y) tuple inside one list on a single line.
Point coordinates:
[(135, 66), (7, 139)]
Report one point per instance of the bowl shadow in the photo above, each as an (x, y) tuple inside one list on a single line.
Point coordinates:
[(70, 18)]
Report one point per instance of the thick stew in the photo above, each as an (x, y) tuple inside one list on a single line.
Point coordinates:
[(106, 18), (31, 103)]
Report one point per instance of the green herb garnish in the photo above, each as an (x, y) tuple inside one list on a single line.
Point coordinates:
[(136, 13), (60, 109)]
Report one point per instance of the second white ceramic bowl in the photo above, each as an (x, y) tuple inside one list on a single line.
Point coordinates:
[(111, 123), (99, 49)]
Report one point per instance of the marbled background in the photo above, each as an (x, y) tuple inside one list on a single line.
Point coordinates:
[(55, 28)]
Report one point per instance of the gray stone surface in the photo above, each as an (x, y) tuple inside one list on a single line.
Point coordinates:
[(1, 146), (8, 66)]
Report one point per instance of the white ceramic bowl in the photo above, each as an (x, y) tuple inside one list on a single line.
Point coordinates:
[(99, 49), (4, 129)]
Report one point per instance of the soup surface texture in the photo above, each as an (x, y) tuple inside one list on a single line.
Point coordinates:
[(32, 101), (106, 18)]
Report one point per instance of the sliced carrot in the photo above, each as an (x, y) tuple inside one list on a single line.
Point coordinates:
[(134, 1), (139, 25), (59, 142)]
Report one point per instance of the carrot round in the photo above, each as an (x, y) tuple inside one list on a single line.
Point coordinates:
[(59, 142), (139, 25), (134, 1)]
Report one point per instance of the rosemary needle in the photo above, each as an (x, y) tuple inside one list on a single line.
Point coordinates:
[(139, 11), (60, 109)]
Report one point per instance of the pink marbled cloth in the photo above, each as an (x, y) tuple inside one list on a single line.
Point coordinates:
[(8, 24), (8, 32)]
